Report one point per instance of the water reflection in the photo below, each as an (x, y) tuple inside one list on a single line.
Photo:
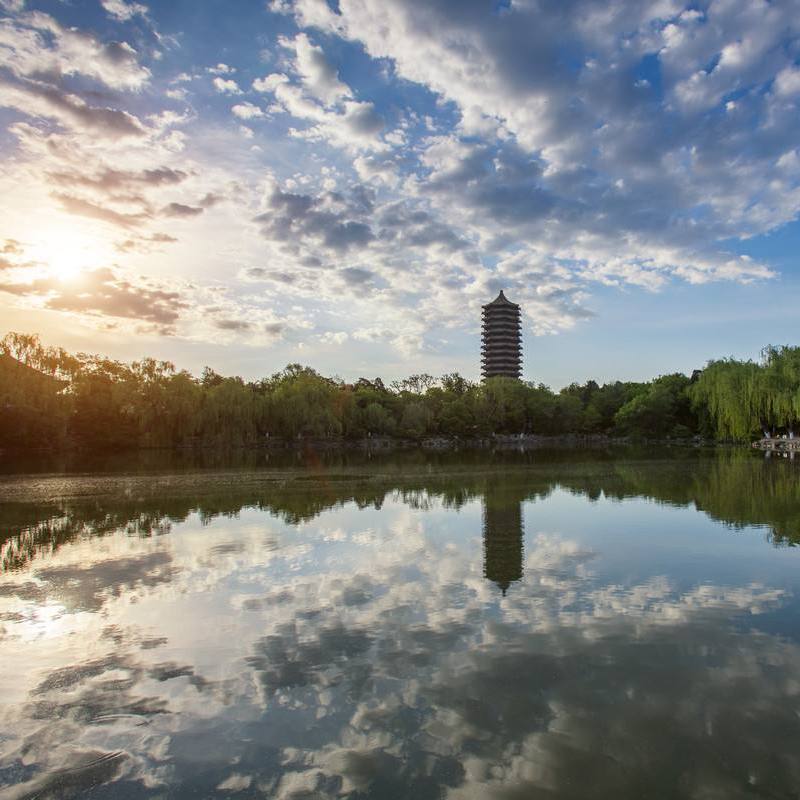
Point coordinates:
[(502, 538), (345, 637), (41, 513)]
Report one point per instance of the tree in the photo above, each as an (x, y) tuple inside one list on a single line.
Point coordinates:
[(378, 420), (415, 420), (657, 411), (541, 410), (730, 391), (501, 405)]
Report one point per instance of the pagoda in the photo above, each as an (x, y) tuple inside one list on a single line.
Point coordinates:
[(501, 339)]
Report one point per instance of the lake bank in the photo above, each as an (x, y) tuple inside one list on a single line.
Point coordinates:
[(777, 445), (378, 444)]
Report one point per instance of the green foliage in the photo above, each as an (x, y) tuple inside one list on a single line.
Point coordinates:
[(659, 410), (51, 398), (502, 405), (416, 420), (740, 399)]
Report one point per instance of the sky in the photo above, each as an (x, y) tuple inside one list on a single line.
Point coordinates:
[(344, 183)]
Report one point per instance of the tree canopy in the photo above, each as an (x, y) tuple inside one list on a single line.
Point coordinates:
[(49, 397)]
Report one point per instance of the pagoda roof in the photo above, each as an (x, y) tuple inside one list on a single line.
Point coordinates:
[(501, 300)]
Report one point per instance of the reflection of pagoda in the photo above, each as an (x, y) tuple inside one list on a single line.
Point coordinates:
[(501, 339), (502, 539)]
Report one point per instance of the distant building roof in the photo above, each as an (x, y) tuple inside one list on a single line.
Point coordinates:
[(501, 300)]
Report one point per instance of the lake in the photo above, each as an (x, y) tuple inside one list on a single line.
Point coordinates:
[(546, 624)]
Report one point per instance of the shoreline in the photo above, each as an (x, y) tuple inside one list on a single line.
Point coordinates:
[(777, 445), (390, 443)]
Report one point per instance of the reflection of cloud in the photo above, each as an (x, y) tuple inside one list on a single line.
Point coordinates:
[(86, 588), (368, 654)]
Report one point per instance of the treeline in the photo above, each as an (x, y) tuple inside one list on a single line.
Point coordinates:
[(49, 397)]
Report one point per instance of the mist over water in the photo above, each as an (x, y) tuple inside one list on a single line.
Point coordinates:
[(552, 624)]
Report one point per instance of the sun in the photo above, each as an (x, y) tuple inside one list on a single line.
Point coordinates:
[(66, 252), (66, 263)]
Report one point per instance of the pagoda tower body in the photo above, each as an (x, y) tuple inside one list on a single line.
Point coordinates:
[(501, 350)]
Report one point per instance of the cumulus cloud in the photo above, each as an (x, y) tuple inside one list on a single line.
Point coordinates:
[(226, 86), (36, 44), (585, 159), (352, 125), (122, 10), (247, 111), (318, 75), (389, 246), (270, 82), (323, 100), (221, 69), (11, 247), (236, 325), (787, 81), (328, 220), (334, 337), (637, 161)]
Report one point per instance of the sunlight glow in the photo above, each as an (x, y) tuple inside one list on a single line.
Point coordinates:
[(48, 621), (66, 252)]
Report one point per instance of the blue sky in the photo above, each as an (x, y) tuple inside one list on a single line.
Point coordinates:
[(343, 184)]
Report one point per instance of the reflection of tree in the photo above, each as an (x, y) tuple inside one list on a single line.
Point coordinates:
[(734, 487), (502, 536)]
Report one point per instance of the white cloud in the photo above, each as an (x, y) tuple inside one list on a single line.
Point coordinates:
[(247, 111), (221, 69), (787, 81), (122, 10), (226, 86), (270, 82), (352, 125), (319, 76), (70, 110), (36, 45), (666, 134), (607, 168), (334, 337)]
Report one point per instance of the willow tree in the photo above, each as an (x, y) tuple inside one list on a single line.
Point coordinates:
[(780, 386), (232, 413), (732, 392), (303, 403)]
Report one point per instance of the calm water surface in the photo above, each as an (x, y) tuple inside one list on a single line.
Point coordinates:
[(563, 625)]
